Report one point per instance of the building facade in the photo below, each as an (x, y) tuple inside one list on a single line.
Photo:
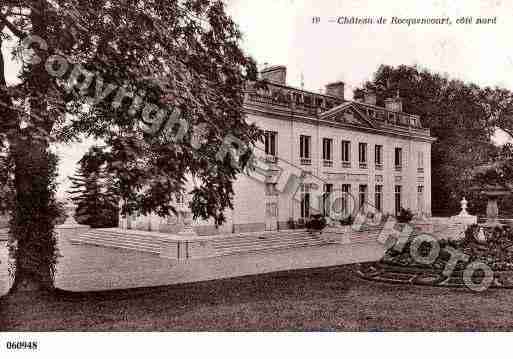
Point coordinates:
[(322, 154)]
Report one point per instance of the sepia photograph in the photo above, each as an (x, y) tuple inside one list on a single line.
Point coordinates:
[(271, 168)]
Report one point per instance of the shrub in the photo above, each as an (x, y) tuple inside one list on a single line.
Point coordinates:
[(316, 222), (347, 221), (404, 216)]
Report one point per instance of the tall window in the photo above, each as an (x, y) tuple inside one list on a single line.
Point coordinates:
[(378, 155), (305, 200), (420, 200), (397, 199), (346, 153), (270, 138), (398, 161), (327, 145), (362, 154), (378, 197), (420, 160), (362, 194), (346, 190), (326, 200), (304, 146)]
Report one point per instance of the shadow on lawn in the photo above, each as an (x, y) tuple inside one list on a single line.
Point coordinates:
[(65, 310)]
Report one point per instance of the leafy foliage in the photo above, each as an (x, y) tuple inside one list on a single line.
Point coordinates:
[(316, 222), (405, 215), (460, 115), (496, 252), (121, 61)]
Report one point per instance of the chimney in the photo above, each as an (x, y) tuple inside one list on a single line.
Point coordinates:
[(275, 74), (335, 89), (394, 104), (369, 97)]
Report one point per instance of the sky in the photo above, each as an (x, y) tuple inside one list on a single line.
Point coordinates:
[(281, 32)]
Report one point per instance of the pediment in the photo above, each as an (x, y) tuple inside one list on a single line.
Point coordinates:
[(347, 114)]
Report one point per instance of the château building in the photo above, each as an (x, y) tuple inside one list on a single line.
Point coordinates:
[(322, 154)]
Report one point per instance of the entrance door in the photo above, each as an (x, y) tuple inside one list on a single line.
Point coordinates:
[(420, 200), (271, 216)]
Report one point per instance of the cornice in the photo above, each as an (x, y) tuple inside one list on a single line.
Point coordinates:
[(289, 115)]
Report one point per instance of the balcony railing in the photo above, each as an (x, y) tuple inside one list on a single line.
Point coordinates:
[(346, 164), (398, 168), (274, 101), (379, 166), (363, 165), (305, 161), (420, 170), (271, 159), (327, 163)]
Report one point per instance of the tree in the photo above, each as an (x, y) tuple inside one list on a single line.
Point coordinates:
[(459, 116), (93, 192), (95, 68)]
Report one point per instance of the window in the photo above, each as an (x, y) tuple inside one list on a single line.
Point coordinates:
[(378, 197), (362, 196), (397, 199), (362, 154), (326, 204), (270, 138), (378, 156), (420, 200), (420, 161), (327, 145), (346, 154), (305, 201), (346, 190), (398, 159), (304, 149)]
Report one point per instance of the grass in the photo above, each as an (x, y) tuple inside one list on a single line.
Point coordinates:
[(324, 299)]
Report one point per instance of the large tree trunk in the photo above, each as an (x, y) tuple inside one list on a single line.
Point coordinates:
[(32, 224)]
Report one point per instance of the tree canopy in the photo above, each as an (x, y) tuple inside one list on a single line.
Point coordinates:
[(140, 75), (462, 116)]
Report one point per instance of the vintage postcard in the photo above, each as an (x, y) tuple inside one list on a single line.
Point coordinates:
[(254, 166)]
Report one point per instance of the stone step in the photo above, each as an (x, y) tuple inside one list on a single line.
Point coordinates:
[(272, 239), (258, 237), (267, 247), (111, 244), (139, 242), (270, 243), (93, 234)]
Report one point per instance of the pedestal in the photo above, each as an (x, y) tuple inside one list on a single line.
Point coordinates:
[(492, 214), (187, 230)]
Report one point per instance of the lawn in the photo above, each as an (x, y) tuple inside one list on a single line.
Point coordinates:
[(326, 299)]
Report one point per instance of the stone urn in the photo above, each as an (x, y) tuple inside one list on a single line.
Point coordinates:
[(493, 188), (493, 193)]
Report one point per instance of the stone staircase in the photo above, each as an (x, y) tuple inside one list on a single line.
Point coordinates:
[(4, 236), (219, 245), (262, 242), (131, 240)]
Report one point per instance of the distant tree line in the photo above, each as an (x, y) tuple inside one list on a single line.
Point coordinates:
[(462, 116)]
